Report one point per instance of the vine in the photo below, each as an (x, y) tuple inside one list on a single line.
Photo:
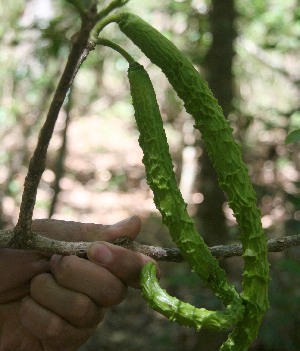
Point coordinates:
[(231, 170)]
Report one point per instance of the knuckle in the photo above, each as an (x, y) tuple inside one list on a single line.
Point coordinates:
[(116, 295), (40, 280), (91, 227), (29, 344), (80, 308), (66, 267), (54, 328)]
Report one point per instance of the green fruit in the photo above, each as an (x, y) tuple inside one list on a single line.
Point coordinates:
[(226, 157), (168, 199)]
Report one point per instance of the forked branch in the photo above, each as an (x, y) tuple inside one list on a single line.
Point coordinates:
[(78, 53)]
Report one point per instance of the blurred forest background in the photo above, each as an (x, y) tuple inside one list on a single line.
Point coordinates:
[(248, 50)]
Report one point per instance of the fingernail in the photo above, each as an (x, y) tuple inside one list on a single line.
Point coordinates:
[(100, 253), (124, 221), (55, 259)]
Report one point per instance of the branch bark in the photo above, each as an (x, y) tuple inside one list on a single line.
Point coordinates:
[(37, 164), (22, 235), (49, 247)]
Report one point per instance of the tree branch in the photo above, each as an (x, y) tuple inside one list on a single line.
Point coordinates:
[(50, 247), (78, 53)]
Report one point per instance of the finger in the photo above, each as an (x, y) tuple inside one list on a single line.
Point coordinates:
[(52, 330), (123, 263), (76, 231), (129, 227), (88, 278), (13, 335), (24, 265), (75, 307), (29, 343)]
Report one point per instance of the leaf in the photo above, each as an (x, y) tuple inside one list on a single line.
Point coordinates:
[(293, 137)]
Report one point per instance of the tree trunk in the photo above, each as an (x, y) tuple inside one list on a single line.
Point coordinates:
[(218, 72)]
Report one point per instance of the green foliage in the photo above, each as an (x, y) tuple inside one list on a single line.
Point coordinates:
[(293, 137), (282, 318)]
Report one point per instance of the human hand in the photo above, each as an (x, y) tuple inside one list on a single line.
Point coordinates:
[(57, 304)]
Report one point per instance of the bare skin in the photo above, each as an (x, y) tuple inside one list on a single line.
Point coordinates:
[(56, 304)]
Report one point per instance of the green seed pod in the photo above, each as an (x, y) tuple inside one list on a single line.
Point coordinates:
[(167, 197), (226, 157), (182, 312)]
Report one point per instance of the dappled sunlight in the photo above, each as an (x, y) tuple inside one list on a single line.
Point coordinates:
[(102, 178)]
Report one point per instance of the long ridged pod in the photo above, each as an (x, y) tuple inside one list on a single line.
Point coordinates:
[(182, 312), (168, 199), (226, 156)]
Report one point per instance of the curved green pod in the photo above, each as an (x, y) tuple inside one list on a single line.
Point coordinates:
[(226, 156), (161, 178), (167, 197), (182, 312)]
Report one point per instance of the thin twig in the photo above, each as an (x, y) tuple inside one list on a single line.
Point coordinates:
[(116, 47), (78, 53), (50, 246), (22, 233), (220, 251), (110, 7)]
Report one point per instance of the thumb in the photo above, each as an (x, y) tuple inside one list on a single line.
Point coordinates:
[(77, 231)]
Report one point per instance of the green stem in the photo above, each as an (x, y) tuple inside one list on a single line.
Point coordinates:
[(112, 6), (99, 27), (116, 47), (103, 19)]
